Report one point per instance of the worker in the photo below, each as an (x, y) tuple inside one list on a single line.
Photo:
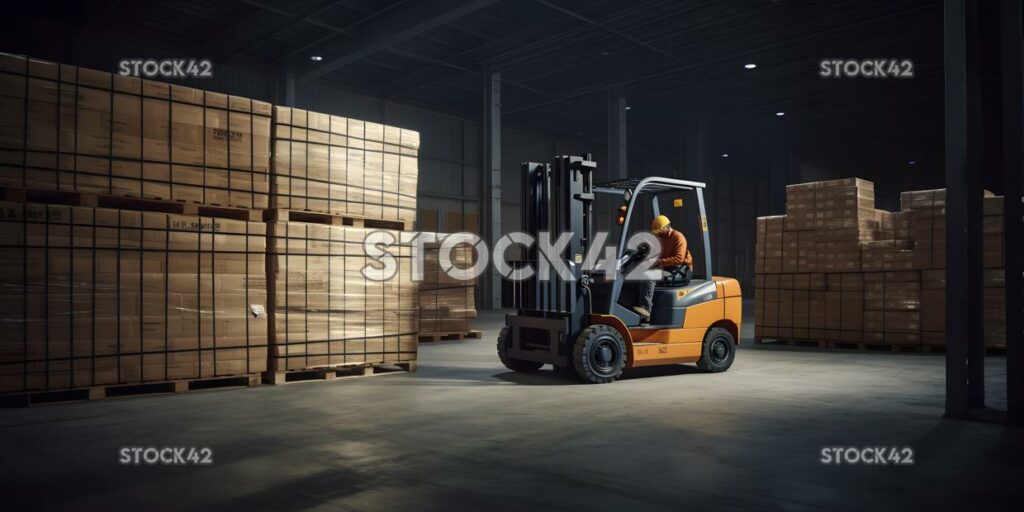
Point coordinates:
[(674, 253)]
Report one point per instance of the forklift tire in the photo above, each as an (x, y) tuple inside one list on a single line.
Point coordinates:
[(599, 354), (516, 365), (718, 350)]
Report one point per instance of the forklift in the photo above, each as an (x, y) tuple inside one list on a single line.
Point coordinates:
[(584, 326)]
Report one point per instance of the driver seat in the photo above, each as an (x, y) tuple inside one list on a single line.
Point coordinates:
[(676, 276)]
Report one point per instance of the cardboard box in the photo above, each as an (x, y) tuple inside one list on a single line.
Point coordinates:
[(76, 129), (343, 166), (98, 296), (324, 310), (446, 305)]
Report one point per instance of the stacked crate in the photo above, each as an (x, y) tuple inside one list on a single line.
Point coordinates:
[(447, 305), (97, 296), (343, 166), (890, 290), (927, 208), (133, 244), (326, 310), (892, 308), (170, 289), (76, 129), (809, 261), (334, 181)]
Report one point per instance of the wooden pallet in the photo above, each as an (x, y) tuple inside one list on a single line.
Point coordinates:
[(285, 215), (849, 345), (941, 349), (868, 346), (448, 336), (24, 399), (335, 372), (791, 343), (89, 199)]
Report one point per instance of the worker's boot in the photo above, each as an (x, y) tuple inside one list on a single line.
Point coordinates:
[(645, 315)]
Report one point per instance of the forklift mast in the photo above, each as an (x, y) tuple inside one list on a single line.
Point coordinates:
[(558, 199)]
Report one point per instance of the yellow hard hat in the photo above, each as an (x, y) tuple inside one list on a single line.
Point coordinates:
[(660, 222)]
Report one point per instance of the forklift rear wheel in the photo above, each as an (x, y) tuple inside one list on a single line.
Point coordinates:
[(718, 351), (516, 365), (599, 354)]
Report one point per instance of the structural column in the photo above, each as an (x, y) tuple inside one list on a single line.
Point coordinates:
[(1012, 55), (696, 151), (955, 34), (617, 148), (490, 197), (964, 328), (284, 88)]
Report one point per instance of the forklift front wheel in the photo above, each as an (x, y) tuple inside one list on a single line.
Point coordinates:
[(599, 354), (718, 351), (516, 365)]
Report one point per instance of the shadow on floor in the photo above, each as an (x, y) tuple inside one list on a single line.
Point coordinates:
[(660, 371), (550, 378), (537, 378)]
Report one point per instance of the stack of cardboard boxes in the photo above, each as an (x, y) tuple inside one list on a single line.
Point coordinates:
[(343, 166), (98, 296), (327, 309), (76, 129), (447, 305), (835, 269)]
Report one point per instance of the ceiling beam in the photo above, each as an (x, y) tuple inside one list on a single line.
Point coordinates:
[(753, 49), (534, 36), (401, 27), (293, 21), (605, 27), (338, 31)]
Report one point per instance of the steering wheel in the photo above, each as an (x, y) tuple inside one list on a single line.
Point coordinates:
[(633, 256)]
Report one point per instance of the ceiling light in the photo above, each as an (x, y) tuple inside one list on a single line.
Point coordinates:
[(316, 58), (725, 155), (912, 162), (750, 66), (628, 107), (780, 114)]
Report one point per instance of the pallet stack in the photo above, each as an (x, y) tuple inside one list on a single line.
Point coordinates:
[(134, 231), (76, 129), (325, 311), (836, 271), (447, 305), (343, 166), (97, 296), (334, 181), (131, 251)]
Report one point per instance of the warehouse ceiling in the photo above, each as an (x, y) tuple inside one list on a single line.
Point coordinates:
[(675, 61)]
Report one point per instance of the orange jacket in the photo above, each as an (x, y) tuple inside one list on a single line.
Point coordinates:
[(674, 251)]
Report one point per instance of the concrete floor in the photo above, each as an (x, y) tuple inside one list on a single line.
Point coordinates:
[(465, 434)]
